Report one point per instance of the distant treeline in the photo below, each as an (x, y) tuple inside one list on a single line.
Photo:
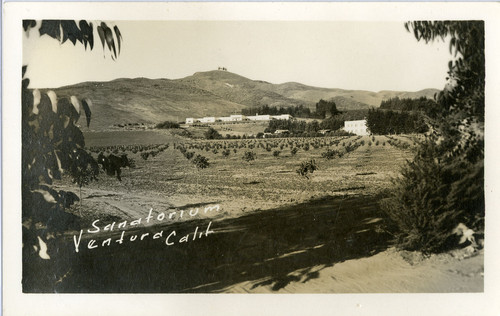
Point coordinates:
[(167, 124), (383, 122), (421, 104), (323, 109), (399, 116), (332, 123), (296, 111)]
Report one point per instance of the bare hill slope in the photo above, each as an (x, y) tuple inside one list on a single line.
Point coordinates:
[(211, 93), (147, 101)]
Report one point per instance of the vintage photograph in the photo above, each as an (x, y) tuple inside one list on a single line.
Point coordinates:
[(253, 156)]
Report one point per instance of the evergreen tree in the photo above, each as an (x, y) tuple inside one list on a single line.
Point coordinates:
[(444, 184)]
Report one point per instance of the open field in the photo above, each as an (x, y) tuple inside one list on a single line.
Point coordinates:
[(274, 230), (266, 182)]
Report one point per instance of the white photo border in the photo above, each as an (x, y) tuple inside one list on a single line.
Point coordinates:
[(17, 303)]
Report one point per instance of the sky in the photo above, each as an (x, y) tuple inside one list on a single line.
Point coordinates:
[(369, 56)]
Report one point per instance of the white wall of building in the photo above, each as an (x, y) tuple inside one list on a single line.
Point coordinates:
[(207, 120), (356, 127), (238, 118), (259, 118), (282, 117)]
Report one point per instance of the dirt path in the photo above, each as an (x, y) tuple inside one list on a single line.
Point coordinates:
[(385, 272)]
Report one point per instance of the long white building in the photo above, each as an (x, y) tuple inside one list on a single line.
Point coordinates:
[(356, 127), (238, 118)]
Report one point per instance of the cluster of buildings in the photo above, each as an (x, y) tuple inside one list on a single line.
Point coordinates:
[(237, 118), (356, 127)]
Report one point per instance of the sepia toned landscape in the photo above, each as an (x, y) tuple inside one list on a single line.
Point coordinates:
[(179, 186)]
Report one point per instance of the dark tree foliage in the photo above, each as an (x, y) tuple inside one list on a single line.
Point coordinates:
[(382, 122), (306, 168), (53, 144), (249, 156), (326, 109), (444, 184), (201, 162), (212, 134), (296, 111), (83, 32), (167, 124), (421, 104)]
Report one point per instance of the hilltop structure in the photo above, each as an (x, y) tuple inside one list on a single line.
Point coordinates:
[(356, 127), (237, 118)]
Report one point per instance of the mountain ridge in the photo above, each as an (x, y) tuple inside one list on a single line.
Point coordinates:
[(209, 93)]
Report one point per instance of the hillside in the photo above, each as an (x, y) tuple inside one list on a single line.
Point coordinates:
[(239, 89), (346, 99), (211, 93), (143, 100)]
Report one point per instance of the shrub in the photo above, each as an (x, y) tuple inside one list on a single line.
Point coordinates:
[(276, 153), (249, 156), (306, 168), (294, 151), (201, 162), (431, 198), (351, 147), (212, 134), (331, 154), (167, 124)]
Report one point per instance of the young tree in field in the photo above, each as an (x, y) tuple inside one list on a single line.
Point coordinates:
[(306, 168), (212, 134), (249, 156), (84, 169), (201, 162), (52, 144), (444, 184)]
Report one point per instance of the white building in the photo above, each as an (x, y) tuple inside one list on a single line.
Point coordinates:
[(238, 118), (259, 117), (282, 117), (356, 127), (281, 131), (206, 119)]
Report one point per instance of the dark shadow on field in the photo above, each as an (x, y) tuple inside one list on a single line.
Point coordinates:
[(274, 247)]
